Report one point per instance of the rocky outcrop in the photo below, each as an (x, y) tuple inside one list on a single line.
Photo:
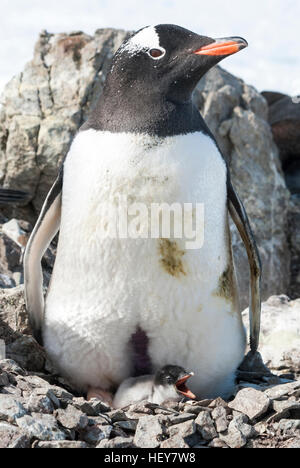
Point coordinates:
[(45, 104), (284, 118)]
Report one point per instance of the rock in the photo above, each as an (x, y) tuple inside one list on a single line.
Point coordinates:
[(10, 255), (293, 444), (33, 383), (41, 427), (219, 402), (4, 380), (219, 414), (136, 410), (176, 441), (196, 408), (126, 425), (12, 368), (206, 426), (12, 437), (203, 403), (10, 409), (99, 420), (14, 318), (250, 402), (238, 433), (62, 394), (150, 431), (39, 404), (118, 432), (180, 418), (289, 426), (63, 444), (116, 415), (27, 352), (71, 418), (40, 116), (280, 333), (185, 431), (92, 407), (14, 231), (117, 442), (52, 397), (234, 439), (283, 410), (95, 434), (6, 281), (218, 443), (277, 392), (271, 97), (284, 118)]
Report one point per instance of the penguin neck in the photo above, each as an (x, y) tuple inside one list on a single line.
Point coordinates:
[(146, 113)]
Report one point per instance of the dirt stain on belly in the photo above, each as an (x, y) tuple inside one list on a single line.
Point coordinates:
[(171, 257), (226, 284)]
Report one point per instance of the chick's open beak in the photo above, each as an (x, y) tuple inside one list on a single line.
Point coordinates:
[(220, 47), (183, 389)]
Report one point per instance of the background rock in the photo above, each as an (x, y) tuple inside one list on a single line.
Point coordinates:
[(280, 334), (45, 104), (294, 242), (284, 118)]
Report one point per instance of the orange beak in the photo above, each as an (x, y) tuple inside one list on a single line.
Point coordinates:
[(223, 47), (182, 388)]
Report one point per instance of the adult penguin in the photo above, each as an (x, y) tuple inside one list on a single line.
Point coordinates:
[(121, 306)]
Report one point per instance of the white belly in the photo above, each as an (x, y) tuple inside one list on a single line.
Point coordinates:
[(103, 289)]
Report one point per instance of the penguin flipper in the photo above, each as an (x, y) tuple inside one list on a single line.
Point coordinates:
[(240, 218), (44, 231), (14, 197)]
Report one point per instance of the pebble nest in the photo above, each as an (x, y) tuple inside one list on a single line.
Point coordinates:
[(40, 410)]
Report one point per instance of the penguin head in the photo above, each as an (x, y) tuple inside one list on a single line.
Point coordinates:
[(168, 60), (170, 381)]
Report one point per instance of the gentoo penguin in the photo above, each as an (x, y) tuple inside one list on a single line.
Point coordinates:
[(123, 305), (169, 383), (9, 196)]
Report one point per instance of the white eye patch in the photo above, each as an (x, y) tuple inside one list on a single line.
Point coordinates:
[(147, 39)]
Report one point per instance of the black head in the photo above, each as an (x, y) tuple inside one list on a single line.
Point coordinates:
[(169, 60), (169, 375), (176, 377), (153, 74)]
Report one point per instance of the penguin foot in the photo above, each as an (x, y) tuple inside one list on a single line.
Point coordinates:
[(100, 394), (253, 368)]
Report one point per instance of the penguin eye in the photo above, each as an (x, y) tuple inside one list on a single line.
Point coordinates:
[(156, 53)]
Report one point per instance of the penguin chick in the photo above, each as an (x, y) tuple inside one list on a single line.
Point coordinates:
[(168, 383)]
